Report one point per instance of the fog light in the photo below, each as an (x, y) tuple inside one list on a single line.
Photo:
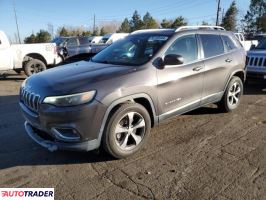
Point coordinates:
[(66, 134)]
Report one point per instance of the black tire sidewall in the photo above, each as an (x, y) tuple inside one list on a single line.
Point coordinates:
[(227, 105), (109, 133), (28, 65)]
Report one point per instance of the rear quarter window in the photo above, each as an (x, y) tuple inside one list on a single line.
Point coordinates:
[(229, 43), (212, 45)]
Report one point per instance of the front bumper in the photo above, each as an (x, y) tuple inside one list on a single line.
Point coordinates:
[(44, 127), (256, 75), (55, 145)]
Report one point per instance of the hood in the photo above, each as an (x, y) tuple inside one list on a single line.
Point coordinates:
[(74, 78), (259, 52)]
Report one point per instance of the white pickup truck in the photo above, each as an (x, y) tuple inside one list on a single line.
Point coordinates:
[(247, 44), (32, 58)]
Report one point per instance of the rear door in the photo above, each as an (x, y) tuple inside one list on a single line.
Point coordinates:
[(72, 46), (218, 62)]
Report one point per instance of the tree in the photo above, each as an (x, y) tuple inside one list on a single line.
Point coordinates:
[(261, 23), (252, 21), (125, 26), (179, 21), (166, 23), (63, 32), (30, 39), (102, 31), (95, 32), (86, 33), (204, 23), (136, 23), (43, 36), (229, 21), (149, 22)]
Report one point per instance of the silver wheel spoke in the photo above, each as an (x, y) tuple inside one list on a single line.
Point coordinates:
[(130, 118), (120, 129), (140, 124), (236, 99), (125, 140), (137, 138), (237, 91)]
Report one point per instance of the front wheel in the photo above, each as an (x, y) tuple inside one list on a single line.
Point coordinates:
[(232, 95), (127, 130), (34, 66)]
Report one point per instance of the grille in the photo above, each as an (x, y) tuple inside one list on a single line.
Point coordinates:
[(30, 99), (256, 61)]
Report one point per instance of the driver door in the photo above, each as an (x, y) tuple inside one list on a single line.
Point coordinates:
[(180, 86)]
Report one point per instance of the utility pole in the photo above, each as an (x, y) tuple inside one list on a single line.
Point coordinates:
[(218, 12), (93, 23), (14, 7)]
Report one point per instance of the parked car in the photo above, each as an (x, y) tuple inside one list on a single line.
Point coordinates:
[(106, 41), (73, 46), (95, 39), (256, 61), (32, 58), (247, 44), (115, 98)]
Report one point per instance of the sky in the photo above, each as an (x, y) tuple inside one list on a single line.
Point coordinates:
[(34, 15)]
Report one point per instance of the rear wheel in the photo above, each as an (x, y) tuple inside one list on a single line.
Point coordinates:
[(232, 95), (34, 66), (127, 130)]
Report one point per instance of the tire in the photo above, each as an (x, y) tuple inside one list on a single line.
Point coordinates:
[(34, 66), (121, 140), (232, 95), (18, 71)]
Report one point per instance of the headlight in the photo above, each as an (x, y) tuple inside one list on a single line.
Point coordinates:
[(70, 100)]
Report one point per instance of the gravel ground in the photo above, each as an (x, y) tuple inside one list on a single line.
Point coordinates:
[(204, 154)]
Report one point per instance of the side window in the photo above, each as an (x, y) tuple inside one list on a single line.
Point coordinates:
[(84, 40), (186, 47), (72, 42), (229, 44), (212, 45)]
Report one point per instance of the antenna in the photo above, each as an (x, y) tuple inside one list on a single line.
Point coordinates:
[(15, 12)]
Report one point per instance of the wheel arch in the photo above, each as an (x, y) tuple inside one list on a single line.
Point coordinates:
[(143, 99), (238, 73), (34, 56)]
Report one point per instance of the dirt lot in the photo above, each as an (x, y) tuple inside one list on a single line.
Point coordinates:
[(201, 155)]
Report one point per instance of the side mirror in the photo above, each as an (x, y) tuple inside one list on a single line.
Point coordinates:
[(173, 59)]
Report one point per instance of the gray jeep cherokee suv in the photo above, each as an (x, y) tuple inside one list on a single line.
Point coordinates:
[(115, 98)]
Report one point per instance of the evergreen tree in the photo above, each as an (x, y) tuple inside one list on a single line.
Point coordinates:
[(30, 39), (179, 21), (95, 32), (253, 20), (43, 36), (149, 22), (125, 26), (229, 20), (63, 32), (166, 23), (102, 31), (136, 22)]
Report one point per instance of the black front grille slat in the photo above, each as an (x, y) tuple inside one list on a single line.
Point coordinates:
[(30, 99)]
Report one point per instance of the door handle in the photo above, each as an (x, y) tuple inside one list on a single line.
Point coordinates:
[(228, 60), (197, 68)]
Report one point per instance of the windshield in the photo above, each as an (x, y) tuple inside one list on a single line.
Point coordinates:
[(261, 45), (133, 50), (104, 40), (59, 41)]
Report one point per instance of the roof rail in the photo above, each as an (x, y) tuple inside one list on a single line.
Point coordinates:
[(150, 30), (199, 27)]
